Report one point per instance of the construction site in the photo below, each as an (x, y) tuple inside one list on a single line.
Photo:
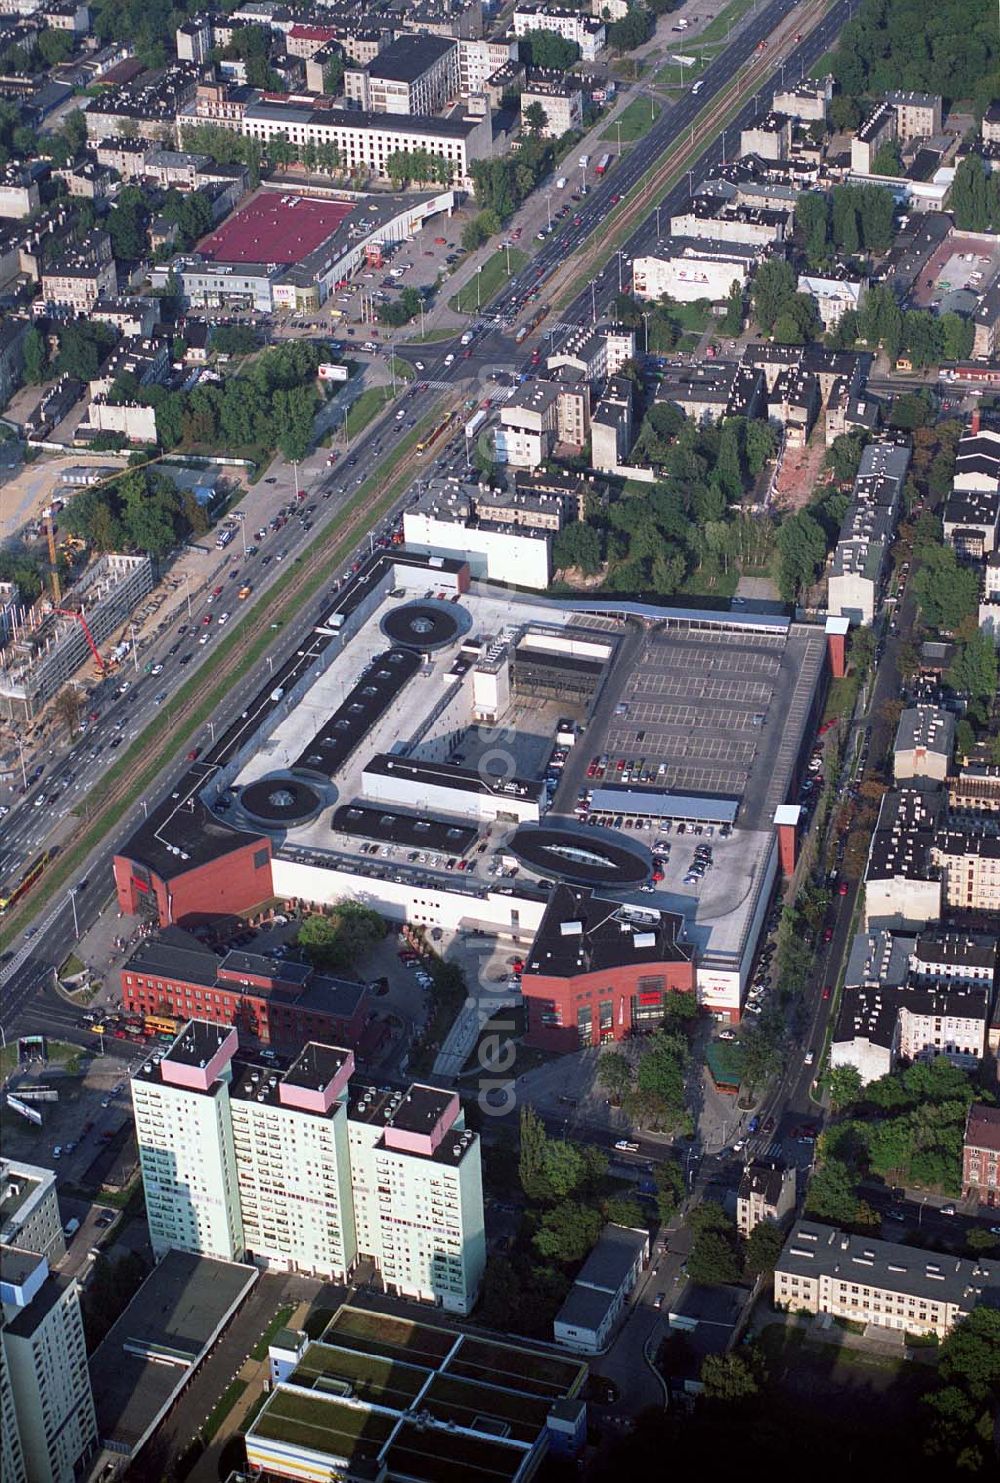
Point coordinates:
[(49, 642)]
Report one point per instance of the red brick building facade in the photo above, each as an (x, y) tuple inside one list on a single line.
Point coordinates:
[(598, 972), (981, 1155), (566, 1014), (229, 884), (276, 1004)]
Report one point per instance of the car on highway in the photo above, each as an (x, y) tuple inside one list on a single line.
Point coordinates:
[(626, 1145), (827, 991), (948, 1210), (194, 754), (157, 669)]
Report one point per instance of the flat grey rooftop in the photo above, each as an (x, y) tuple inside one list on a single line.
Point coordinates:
[(149, 1354)]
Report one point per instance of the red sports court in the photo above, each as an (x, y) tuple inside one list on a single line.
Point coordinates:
[(275, 228)]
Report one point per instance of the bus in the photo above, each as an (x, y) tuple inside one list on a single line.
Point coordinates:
[(601, 168), (224, 537), (28, 879), (160, 1024)]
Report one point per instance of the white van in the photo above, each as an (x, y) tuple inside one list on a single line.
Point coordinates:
[(277, 694), (584, 161), (561, 183), (697, 88)]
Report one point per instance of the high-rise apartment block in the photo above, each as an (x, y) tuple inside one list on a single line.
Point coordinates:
[(46, 1404), (310, 1169)]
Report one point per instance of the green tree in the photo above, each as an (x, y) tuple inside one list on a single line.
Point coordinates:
[(970, 196), (668, 1176), (760, 445), (333, 74), (973, 671), (622, 1211), (534, 118), (773, 288), (293, 412), (728, 470), (762, 1049), (729, 1378), (680, 1009), (763, 1248), (662, 1067), (82, 345), (633, 30), (568, 1231), (544, 48), (731, 323), (36, 356), (844, 1086), (945, 590), (614, 1072), (714, 1258), (563, 1168), (832, 1194), (577, 545), (801, 546), (338, 940), (888, 160), (55, 46), (532, 1164)]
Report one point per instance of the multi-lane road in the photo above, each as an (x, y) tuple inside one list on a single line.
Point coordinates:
[(177, 647)]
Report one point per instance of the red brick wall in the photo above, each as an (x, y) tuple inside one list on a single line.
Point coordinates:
[(987, 1187), (272, 1021), (620, 986), (228, 886)]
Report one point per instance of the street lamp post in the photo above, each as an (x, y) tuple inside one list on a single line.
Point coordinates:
[(135, 651), (76, 924), (620, 290), (295, 466), (479, 271), (657, 223), (20, 756), (645, 327), (548, 210)]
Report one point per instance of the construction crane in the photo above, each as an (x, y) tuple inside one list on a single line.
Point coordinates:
[(50, 531), (72, 613)]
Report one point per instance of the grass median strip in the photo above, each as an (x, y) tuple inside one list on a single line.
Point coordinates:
[(271, 607), (633, 122), (491, 278), (222, 1408), (368, 405)]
